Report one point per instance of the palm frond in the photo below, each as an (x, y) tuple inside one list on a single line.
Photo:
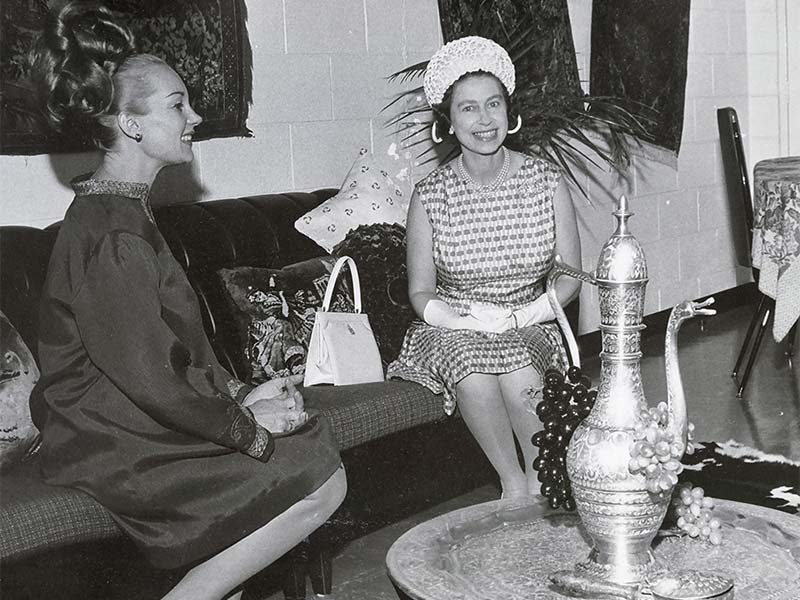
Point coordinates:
[(568, 129), (406, 115), (412, 72)]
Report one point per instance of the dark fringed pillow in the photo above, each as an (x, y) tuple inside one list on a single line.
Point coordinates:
[(380, 254), (275, 309)]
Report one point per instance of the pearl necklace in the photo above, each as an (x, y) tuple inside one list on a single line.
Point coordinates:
[(501, 174)]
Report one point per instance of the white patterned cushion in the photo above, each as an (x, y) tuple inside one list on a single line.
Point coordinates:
[(369, 195)]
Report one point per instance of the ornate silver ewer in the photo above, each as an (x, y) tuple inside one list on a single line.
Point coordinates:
[(615, 507)]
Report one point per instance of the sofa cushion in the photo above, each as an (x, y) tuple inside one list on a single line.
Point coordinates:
[(274, 311), (36, 517), (367, 411)]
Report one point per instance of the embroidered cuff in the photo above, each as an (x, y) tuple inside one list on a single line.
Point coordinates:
[(263, 444), (238, 390)]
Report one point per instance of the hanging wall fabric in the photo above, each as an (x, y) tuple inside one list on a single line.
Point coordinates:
[(639, 51)]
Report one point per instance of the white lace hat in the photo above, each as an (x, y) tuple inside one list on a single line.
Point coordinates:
[(466, 55)]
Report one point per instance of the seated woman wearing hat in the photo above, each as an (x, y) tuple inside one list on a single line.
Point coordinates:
[(483, 230)]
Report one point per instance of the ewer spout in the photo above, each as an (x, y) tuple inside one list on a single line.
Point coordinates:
[(676, 401)]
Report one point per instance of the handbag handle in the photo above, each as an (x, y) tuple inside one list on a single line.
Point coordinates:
[(326, 303)]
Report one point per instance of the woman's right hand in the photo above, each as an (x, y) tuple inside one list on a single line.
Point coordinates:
[(280, 408)]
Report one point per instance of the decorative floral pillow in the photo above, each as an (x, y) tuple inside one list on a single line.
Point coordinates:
[(380, 253), (275, 311), (18, 375), (368, 195)]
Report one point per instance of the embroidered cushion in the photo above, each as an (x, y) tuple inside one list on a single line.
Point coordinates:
[(369, 194), (275, 309), (18, 375)]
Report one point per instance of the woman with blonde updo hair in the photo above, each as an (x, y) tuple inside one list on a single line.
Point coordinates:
[(133, 406)]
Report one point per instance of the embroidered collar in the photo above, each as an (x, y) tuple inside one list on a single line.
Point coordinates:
[(93, 187), (86, 186)]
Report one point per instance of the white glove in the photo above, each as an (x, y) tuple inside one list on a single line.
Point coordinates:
[(537, 311), (440, 314), (492, 317)]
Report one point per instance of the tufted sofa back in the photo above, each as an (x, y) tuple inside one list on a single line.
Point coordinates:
[(204, 237)]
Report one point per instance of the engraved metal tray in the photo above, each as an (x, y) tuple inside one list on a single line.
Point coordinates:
[(502, 550)]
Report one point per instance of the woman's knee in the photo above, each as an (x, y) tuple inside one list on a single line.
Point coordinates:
[(329, 496), (478, 387), (521, 386)]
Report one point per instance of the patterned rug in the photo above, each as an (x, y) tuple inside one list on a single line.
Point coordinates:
[(733, 471)]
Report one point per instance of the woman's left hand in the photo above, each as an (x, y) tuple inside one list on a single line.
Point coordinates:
[(281, 391)]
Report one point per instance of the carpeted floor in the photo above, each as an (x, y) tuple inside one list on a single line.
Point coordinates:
[(736, 472)]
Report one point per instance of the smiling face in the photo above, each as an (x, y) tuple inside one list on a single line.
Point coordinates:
[(168, 121), (478, 113)]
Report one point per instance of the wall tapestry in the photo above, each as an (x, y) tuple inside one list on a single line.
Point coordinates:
[(205, 41), (639, 51)]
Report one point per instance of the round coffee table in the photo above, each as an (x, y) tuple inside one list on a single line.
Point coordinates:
[(505, 550)]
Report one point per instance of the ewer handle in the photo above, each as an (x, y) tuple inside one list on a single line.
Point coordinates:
[(560, 268)]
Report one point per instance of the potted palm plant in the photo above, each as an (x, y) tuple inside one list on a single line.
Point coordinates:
[(561, 123)]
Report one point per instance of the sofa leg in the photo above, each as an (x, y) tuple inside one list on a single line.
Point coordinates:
[(320, 570), (294, 582)]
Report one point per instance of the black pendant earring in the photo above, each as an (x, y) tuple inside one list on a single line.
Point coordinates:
[(138, 137)]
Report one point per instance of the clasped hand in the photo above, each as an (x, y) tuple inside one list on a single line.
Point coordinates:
[(277, 405), (488, 317)]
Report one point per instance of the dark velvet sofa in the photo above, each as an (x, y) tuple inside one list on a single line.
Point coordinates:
[(400, 451)]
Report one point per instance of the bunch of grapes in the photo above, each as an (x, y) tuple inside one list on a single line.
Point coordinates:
[(656, 453), (693, 513), (565, 402)]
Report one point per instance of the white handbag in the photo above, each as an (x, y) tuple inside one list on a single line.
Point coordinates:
[(342, 349)]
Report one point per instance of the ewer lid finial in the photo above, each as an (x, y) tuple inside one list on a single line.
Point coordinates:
[(622, 214)]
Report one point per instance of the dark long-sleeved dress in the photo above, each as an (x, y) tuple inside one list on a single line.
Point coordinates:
[(133, 406)]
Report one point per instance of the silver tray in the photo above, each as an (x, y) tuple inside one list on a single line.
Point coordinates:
[(501, 550)]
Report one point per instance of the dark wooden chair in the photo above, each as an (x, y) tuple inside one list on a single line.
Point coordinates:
[(737, 182)]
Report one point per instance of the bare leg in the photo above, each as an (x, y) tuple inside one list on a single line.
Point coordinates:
[(216, 577), (480, 401), (516, 387)]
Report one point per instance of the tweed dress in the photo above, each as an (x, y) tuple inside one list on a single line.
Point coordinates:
[(493, 247)]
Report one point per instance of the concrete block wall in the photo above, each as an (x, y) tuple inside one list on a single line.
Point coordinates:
[(319, 87), (319, 83), (318, 72), (681, 209)]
